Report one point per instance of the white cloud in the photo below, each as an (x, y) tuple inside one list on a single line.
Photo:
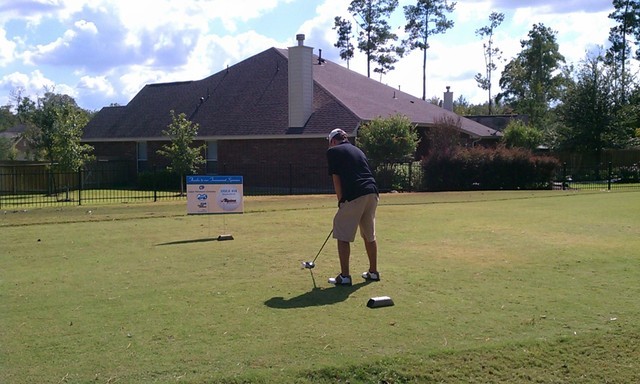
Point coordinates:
[(211, 55), (30, 85), (87, 26), (214, 52), (97, 90), (98, 84), (7, 49)]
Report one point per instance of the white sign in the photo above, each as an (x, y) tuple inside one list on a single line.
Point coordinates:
[(214, 194)]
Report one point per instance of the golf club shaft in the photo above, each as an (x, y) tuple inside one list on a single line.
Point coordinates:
[(323, 244)]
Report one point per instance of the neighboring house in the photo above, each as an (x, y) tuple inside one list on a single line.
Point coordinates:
[(274, 109)]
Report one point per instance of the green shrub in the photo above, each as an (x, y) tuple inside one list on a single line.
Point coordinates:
[(399, 176), (388, 139), (488, 169), (630, 174)]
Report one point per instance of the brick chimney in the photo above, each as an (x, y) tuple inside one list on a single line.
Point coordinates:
[(448, 100), (300, 83)]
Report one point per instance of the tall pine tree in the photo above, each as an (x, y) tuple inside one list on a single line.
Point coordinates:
[(375, 38), (491, 54), (627, 17), (425, 19)]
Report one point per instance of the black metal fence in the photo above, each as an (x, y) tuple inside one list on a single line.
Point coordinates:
[(36, 185), (608, 176)]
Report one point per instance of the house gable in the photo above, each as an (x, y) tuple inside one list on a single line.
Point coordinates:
[(251, 100)]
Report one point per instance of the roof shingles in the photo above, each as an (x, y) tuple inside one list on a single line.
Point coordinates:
[(251, 99)]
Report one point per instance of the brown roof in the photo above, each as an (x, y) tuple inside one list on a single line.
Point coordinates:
[(251, 99), (370, 99)]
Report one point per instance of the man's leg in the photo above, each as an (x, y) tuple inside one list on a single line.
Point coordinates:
[(344, 252), (372, 253)]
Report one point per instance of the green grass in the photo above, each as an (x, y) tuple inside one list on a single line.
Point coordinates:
[(488, 286)]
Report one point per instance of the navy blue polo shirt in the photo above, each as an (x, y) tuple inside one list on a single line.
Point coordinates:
[(350, 163)]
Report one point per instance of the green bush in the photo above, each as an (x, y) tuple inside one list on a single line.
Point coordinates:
[(629, 174), (521, 135), (488, 169), (389, 139), (399, 176)]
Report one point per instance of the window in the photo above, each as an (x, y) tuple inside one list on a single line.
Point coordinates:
[(141, 150), (212, 157)]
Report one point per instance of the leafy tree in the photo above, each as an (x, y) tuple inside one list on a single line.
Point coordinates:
[(627, 16), (435, 100), (491, 54), (521, 135), (633, 112), (462, 107), (374, 37), (392, 139), (6, 152), (444, 137), (184, 159), (587, 107), (54, 130), (7, 118), (424, 19), (534, 78), (343, 28)]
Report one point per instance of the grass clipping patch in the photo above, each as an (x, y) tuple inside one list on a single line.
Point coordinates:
[(590, 358)]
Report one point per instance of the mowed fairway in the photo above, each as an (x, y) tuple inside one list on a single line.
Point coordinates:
[(488, 287)]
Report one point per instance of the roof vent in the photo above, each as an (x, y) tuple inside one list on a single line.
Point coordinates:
[(320, 59), (300, 38)]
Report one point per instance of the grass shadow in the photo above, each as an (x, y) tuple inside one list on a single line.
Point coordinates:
[(315, 297), (190, 241)]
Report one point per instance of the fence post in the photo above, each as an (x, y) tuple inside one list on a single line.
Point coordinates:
[(564, 176), (79, 186), (290, 179), (156, 183), (410, 177), (610, 176)]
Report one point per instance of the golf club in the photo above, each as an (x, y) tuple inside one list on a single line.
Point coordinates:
[(312, 264)]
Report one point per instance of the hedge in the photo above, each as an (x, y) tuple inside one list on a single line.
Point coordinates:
[(499, 168)]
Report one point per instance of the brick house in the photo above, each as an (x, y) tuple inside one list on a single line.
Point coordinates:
[(273, 110)]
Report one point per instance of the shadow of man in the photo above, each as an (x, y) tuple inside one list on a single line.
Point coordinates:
[(315, 297)]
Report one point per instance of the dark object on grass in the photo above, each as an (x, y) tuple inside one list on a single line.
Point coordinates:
[(378, 302)]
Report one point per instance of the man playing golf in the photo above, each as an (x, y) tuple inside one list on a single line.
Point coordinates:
[(357, 194)]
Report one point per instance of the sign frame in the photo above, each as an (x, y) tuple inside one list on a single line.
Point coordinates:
[(214, 195)]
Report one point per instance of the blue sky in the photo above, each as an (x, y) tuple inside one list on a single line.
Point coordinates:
[(104, 51)]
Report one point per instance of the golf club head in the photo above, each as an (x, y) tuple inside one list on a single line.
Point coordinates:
[(308, 264)]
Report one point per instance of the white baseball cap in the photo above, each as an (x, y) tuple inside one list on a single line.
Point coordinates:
[(336, 132)]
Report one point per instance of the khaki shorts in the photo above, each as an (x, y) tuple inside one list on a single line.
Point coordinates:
[(354, 214)]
